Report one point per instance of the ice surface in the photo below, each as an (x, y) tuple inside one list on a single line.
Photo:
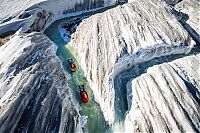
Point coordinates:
[(188, 13), (166, 98), (35, 15), (34, 90), (122, 37)]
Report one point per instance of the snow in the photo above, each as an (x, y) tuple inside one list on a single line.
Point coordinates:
[(10, 9)]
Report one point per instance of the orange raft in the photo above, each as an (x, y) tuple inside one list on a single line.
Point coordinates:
[(73, 66), (83, 94)]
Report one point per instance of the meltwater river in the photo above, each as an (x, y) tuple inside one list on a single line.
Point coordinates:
[(95, 121)]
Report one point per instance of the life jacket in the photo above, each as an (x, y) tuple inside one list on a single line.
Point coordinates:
[(84, 96), (73, 67)]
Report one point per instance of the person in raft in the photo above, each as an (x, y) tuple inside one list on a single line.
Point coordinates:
[(73, 66), (83, 94)]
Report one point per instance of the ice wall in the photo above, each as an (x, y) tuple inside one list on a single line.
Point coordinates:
[(187, 12), (34, 90), (166, 98), (35, 15), (115, 40)]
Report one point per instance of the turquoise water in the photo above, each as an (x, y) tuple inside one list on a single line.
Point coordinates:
[(95, 122)]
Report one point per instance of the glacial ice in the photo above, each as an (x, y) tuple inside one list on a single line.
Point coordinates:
[(122, 37), (36, 15), (34, 90), (188, 13), (166, 98)]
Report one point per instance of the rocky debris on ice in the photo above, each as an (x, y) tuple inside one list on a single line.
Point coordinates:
[(166, 98), (113, 41), (34, 90), (3, 40)]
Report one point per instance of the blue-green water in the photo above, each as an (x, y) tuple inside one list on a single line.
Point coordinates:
[(95, 122)]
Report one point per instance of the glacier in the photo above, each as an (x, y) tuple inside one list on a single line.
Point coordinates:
[(34, 89), (141, 61), (166, 98), (36, 15), (122, 37), (187, 12)]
